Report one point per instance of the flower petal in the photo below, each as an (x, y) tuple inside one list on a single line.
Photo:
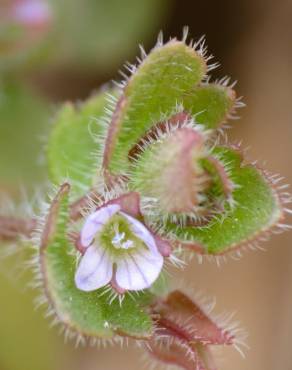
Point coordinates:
[(139, 269), (141, 232), (95, 269), (95, 222)]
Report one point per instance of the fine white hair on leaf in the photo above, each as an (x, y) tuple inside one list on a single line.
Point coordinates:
[(254, 242), (25, 209), (44, 303), (224, 320), (199, 47)]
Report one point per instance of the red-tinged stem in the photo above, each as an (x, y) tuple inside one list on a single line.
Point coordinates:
[(11, 228), (227, 184), (83, 202), (113, 132), (178, 309)]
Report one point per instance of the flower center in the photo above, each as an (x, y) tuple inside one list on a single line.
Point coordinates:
[(117, 237), (119, 240)]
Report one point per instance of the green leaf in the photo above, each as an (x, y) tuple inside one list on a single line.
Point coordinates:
[(72, 145), (256, 209), (210, 104), (167, 74), (89, 314)]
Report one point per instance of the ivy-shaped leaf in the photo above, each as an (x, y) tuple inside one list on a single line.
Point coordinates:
[(153, 91), (72, 144), (210, 104), (256, 209), (90, 314)]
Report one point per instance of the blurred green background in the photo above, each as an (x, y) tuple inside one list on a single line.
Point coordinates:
[(64, 50)]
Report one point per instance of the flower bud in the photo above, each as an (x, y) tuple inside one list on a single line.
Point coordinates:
[(169, 172)]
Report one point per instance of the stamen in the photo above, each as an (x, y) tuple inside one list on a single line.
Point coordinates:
[(128, 244), (117, 240)]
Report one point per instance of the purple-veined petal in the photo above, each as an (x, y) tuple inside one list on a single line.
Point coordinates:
[(95, 222), (141, 232), (138, 270), (114, 283), (95, 269)]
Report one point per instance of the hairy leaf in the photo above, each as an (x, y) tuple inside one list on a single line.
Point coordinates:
[(89, 314), (178, 313), (72, 144), (184, 332), (210, 104), (255, 210), (167, 74)]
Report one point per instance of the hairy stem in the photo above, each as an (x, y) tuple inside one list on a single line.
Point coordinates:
[(11, 228)]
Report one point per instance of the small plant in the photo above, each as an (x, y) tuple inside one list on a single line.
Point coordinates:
[(146, 178)]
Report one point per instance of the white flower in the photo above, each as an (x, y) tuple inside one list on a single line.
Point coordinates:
[(119, 249)]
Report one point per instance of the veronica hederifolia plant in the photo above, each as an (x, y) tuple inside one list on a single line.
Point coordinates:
[(143, 180)]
